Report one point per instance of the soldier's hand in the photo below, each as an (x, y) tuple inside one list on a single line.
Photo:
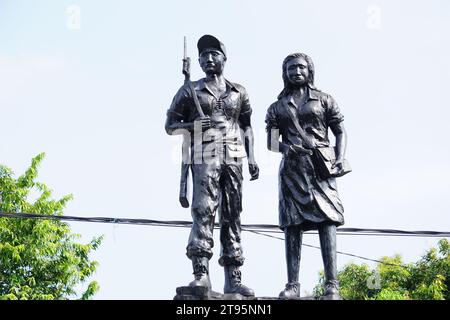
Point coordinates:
[(254, 171), (205, 123)]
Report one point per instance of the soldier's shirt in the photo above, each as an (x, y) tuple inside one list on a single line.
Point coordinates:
[(229, 114)]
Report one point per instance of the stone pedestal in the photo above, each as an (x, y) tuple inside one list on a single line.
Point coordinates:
[(203, 293)]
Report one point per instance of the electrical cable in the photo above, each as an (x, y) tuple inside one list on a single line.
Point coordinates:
[(259, 229), (269, 228)]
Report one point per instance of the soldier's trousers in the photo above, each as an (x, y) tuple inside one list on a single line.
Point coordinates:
[(217, 187)]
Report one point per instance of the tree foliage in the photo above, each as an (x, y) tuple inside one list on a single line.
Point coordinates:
[(426, 279), (40, 259)]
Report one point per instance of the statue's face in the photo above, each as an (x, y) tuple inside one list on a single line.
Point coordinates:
[(297, 71), (212, 61)]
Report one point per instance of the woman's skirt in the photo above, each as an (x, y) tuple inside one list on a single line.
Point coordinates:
[(305, 199)]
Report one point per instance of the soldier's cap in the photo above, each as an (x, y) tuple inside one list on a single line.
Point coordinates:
[(208, 41)]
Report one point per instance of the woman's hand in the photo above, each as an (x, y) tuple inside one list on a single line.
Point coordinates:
[(339, 164)]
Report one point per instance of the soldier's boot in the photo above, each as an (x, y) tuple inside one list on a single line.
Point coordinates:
[(201, 272), (292, 291), (233, 282), (331, 291)]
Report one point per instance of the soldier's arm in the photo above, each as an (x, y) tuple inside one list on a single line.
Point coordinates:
[(249, 142), (175, 126), (177, 121), (246, 126), (176, 115)]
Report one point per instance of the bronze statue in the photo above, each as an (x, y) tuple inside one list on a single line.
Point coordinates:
[(214, 116), (307, 201)]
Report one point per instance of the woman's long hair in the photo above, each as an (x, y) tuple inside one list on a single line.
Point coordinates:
[(287, 90)]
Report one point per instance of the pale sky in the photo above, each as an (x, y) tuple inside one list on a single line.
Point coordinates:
[(92, 92)]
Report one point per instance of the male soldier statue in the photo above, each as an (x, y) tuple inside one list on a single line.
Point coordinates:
[(215, 114)]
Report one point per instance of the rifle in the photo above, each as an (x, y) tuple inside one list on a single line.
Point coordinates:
[(184, 185)]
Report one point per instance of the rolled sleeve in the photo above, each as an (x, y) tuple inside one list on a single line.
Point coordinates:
[(246, 110), (179, 106), (333, 114), (271, 118)]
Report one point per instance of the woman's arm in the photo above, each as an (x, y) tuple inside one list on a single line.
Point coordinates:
[(341, 143), (273, 142)]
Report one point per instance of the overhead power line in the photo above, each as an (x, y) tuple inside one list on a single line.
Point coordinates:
[(267, 228), (338, 252), (260, 229)]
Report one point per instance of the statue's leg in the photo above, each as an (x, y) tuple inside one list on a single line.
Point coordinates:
[(230, 229), (327, 235), (204, 206), (293, 247), (229, 215)]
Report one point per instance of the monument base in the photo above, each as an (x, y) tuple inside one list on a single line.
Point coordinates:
[(203, 293)]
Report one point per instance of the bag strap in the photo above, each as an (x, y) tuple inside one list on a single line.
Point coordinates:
[(302, 133)]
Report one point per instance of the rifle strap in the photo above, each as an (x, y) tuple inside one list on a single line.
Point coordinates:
[(197, 103)]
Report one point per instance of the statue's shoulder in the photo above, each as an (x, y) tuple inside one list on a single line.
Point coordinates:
[(238, 87), (323, 97), (275, 106), (314, 92), (196, 84), (185, 89)]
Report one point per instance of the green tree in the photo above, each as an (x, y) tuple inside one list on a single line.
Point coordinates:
[(426, 279), (40, 259)]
